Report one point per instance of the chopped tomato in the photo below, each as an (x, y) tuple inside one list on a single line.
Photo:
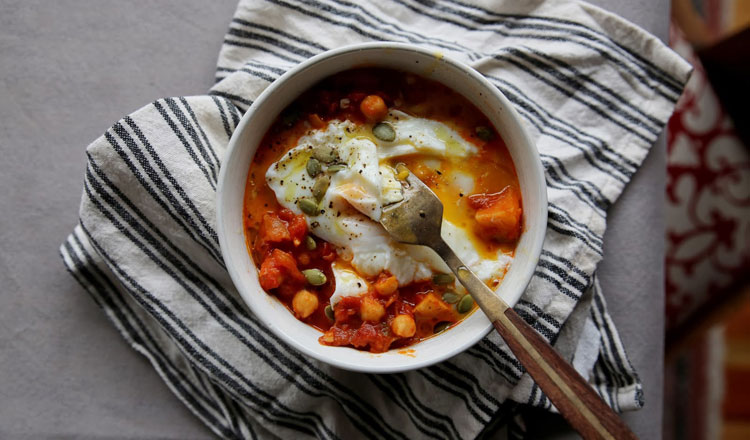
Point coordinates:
[(498, 215), (297, 229), (273, 229), (278, 268), (284, 227)]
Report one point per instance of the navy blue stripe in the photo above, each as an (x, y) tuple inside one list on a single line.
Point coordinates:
[(398, 395), (279, 32), (157, 243), (563, 274), (558, 224), (573, 95), (196, 133), (488, 24), (655, 122), (441, 420), (530, 319), (462, 387), (394, 33), (463, 397), (475, 383), (572, 233), (562, 180), (232, 97), (555, 282), (257, 74), (204, 241), (652, 71), (210, 153), (577, 90), (167, 175), (501, 367), (616, 163), (620, 374), (260, 48), (223, 114), (248, 35), (569, 265), (562, 216), (210, 178), (255, 394), (619, 162), (540, 313), (105, 301), (503, 353)]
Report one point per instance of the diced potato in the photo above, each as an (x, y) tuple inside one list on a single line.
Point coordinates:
[(502, 218), (404, 326), (431, 307), (371, 310), (304, 303), (277, 268), (385, 286)]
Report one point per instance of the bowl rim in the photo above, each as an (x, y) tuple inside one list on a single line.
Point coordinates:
[(234, 145)]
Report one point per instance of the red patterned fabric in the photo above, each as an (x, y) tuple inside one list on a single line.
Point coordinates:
[(708, 198)]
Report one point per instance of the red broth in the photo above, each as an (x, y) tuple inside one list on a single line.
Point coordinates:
[(491, 215)]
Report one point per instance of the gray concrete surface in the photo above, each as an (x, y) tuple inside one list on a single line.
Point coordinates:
[(69, 69)]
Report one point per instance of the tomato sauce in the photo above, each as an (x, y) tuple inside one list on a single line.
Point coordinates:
[(279, 240)]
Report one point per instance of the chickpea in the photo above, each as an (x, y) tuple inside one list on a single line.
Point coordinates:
[(371, 310), (386, 286), (403, 326), (304, 303), (374, 108)]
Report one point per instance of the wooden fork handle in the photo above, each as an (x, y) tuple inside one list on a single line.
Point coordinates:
[(569, 392)]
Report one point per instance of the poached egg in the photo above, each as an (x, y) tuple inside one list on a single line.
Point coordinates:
[(358, 182)]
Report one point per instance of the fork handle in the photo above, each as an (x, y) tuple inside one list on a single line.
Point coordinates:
[(576, 400)]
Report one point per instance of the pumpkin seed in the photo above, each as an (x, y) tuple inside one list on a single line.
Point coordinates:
[(315, 277), (443, 278), (329, 312), (320, 187), (335, 168), (313, 167), (310, 243), (465, 304), (325, 153), (484, 133), (384, 131), (401, 171), (451, 297), (441, 326), (308, 206)]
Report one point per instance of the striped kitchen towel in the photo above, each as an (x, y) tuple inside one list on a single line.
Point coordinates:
[(593, 90)]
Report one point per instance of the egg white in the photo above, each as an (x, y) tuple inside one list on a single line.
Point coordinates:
[(350, 209)]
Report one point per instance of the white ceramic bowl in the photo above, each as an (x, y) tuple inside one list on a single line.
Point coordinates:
[(256, 122)]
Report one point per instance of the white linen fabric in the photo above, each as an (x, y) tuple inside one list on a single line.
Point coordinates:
[(594, 92)]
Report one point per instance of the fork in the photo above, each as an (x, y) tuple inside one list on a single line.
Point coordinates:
[(417, 220)]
